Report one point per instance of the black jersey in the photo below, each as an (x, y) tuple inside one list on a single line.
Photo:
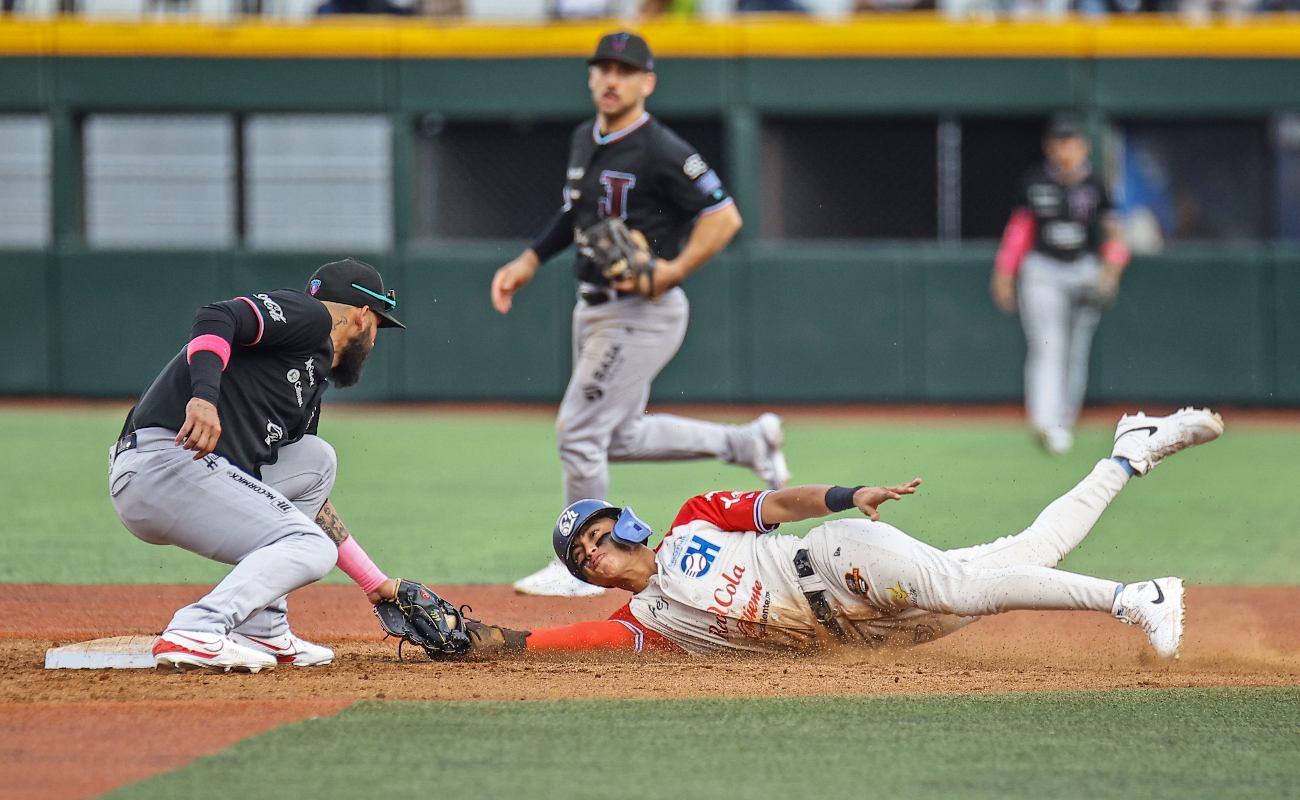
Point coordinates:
[(645, 174), (270, 390), (1068, 219)]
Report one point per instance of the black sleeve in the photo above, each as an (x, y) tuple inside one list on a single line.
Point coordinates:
[(288, 320), (557, 236), (1104, 202), (691, 184), (314, 424), (232, 320)]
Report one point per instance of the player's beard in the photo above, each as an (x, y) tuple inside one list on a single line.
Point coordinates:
[(352, 359)]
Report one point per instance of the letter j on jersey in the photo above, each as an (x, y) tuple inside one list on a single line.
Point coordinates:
[(699, 557)]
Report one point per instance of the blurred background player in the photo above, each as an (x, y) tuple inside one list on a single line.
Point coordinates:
[(1063, 242), (624, 163)]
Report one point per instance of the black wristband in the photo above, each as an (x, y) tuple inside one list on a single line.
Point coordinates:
[(840, 498)]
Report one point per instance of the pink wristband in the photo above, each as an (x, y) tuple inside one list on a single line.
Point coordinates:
[(1017, 239), (211, 343), (1115, 252), (357, 565)]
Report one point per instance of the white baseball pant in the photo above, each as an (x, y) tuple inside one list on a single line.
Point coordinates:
[(618, 348), (1059, 328), (265, 528), (892, 588)]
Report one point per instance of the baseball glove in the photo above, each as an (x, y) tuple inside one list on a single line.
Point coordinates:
[(619, 253), (419, 616)]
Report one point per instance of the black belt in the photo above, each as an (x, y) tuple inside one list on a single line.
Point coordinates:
[(597, 298), (821, 607), (127, 442)]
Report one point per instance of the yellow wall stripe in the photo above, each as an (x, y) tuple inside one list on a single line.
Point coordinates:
[(910, 35)]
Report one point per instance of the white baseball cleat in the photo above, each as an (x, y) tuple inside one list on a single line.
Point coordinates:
[(1156, 605), (288, 649), (769, 463), (554, 580), (1146, 441), (186, 650)]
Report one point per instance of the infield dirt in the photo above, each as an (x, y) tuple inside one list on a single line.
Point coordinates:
[(78, 733), (1235, 637)]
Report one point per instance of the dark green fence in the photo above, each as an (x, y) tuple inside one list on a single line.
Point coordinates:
[(770, 322)]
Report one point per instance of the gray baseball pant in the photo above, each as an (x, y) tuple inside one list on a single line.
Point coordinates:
[(265, 528), (618, 348), (1059, 327), (915, 593)]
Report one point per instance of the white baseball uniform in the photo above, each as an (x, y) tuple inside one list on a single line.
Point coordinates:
[(725, 582)]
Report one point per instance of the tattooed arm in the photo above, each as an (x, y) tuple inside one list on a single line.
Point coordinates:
[(353, 560), (328, 520)]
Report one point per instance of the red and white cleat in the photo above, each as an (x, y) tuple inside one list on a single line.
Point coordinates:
[(186, 650), (288, 649)]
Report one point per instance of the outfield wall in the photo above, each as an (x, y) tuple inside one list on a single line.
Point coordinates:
[(788, 323), (772, 321)]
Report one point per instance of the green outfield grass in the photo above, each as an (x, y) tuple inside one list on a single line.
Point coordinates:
[(470, 498), (1178, 744)]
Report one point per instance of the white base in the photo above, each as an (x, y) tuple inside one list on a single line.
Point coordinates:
[(117, 652)]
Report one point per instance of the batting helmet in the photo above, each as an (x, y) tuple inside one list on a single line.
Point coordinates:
[(628, 528)]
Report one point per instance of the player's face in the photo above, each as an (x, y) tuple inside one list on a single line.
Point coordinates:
[(1068, 153), (617, 88), (601, 559)]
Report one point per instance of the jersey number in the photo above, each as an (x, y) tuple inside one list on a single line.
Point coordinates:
[(617, 184)]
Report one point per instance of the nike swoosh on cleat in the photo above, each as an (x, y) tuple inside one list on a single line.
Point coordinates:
[(1150, 429), (1160, 596)]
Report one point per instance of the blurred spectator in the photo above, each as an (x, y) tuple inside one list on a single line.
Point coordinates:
[(363, 7), (790, 6), (683, 9), (864, 6)]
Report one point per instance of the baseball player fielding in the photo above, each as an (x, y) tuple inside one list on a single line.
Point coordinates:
[(645, 211), (1063, 242), (221, 457), (723, 581)]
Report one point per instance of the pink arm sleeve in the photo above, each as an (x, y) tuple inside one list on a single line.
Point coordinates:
[(212, 343), (357, 565), (1115, 252), (1016, 241)]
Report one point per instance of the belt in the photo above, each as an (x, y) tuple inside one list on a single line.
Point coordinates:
[(594, 295), (127, 442), (814, 589)]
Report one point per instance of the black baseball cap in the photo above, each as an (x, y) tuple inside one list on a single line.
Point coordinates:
[(355, 283), (626, 47), (1064, 127)]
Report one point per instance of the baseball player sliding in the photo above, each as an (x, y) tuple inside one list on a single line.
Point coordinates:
[(221, 457), (646, 211), (722, 581), (1064, 243)]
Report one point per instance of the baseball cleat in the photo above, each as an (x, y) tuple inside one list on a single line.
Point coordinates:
[(770, 462), (186, 650), (288, 649), (1146, 441), (554, 580), (1156, 605)]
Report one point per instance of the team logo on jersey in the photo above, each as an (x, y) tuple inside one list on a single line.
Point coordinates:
[(617, 185), (272, 307), (566, 522), (295, 377), (314, 286), (310, 364), (694, 166), (899, 595), (274, 433), (699, 557)]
